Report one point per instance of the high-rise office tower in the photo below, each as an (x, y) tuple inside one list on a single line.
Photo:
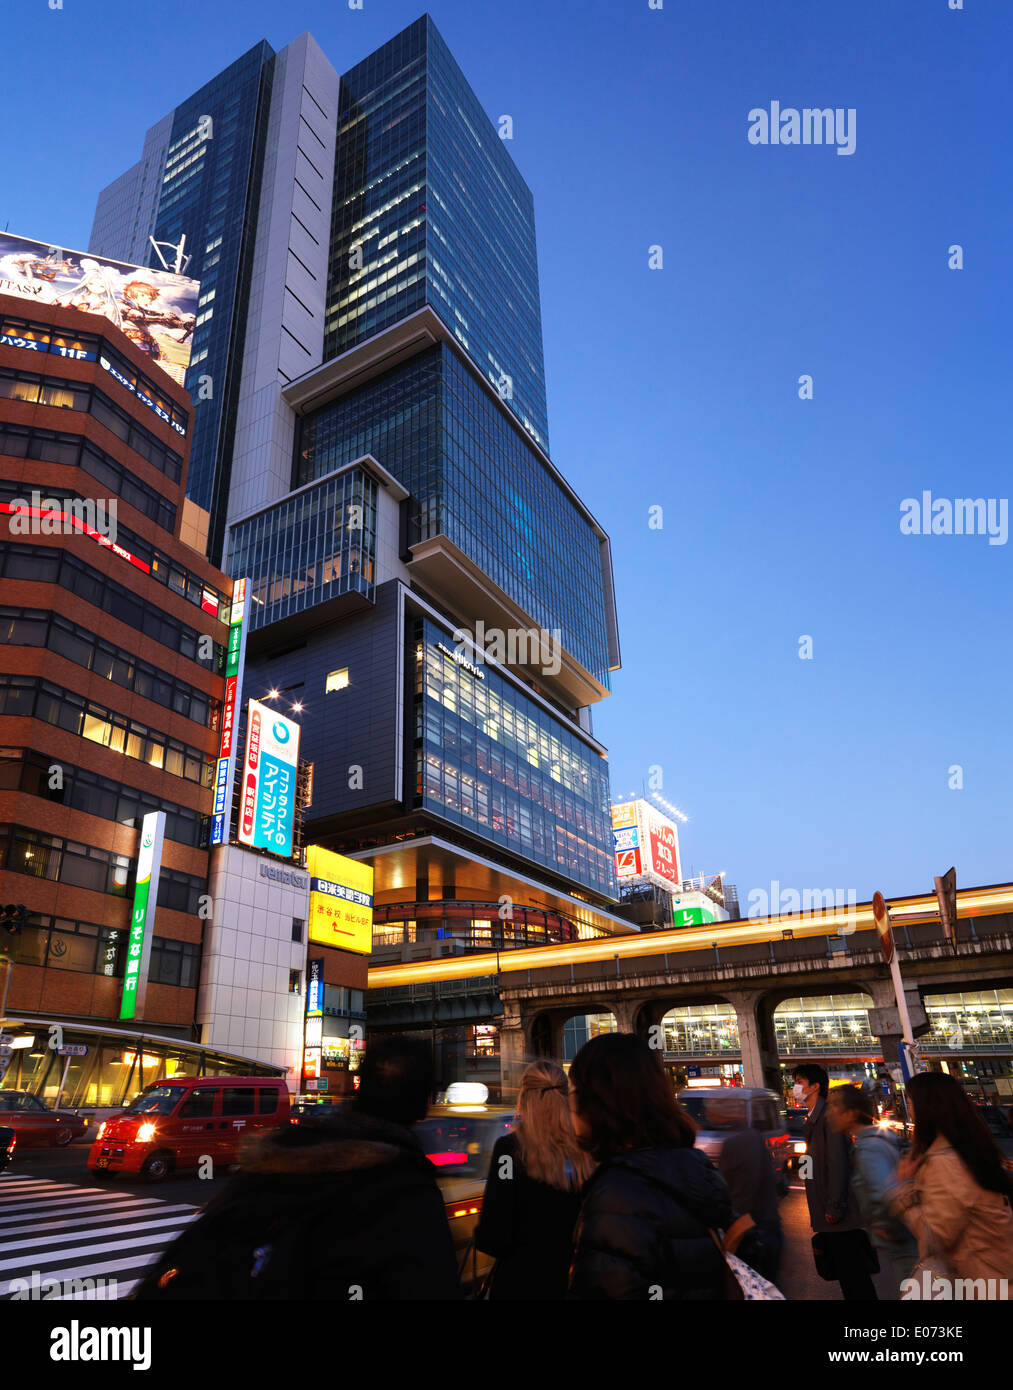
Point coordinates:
[(240, 173), (425, 585)]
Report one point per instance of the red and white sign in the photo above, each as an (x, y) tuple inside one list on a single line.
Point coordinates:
[(663, 845), (881, 916), (248, 808), (628, 863)]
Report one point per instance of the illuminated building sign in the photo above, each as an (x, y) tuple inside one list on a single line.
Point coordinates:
[(267, 803), (234, 661), (341, 900), (646, 844), (315, 991), (55, 523), (142, 919)]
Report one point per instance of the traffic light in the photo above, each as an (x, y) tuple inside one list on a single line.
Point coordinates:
[(12, 918)]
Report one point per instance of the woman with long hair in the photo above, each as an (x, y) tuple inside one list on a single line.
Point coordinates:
[(532, 1194), (649, 1207), (954, 1192)]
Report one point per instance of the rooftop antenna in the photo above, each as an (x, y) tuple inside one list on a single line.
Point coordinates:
[(181, 262)]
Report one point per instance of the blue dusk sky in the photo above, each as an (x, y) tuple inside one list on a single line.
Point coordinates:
[(678, 388)]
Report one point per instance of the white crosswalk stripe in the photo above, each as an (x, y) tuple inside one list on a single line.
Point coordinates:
[(59, 1231)]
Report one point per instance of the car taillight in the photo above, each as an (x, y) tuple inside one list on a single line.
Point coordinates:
[(442, 1159), (463, 1208), (778, 1139)]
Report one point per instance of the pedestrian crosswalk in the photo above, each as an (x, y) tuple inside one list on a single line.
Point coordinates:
[(62, 1241)]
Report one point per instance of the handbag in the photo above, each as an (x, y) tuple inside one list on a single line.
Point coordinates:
[(742, 1283), (481, 1289)]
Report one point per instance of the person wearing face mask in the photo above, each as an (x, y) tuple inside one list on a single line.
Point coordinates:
[(847, 1256)]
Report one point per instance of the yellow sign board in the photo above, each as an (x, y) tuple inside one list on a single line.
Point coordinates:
[(624, 815), (341, 900)]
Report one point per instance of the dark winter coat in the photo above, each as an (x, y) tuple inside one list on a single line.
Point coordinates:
[(344, 1209), (828, 1189), (643, 1227), (528, 1226)]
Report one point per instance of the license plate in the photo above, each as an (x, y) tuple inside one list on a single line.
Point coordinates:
[(102, 1163)]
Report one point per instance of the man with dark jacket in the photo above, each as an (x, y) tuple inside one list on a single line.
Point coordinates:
[(833, 1207), (345, 1208)]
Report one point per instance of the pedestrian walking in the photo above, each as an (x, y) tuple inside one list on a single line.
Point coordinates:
[(651, 1203), (954, 1192), (842, 1249), (746, 1166), (344, 1208), (874, 1158), (532, 1193)]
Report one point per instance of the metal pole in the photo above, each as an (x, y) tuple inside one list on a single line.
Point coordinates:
[(898, 989), (7, 984), (63, 1082)]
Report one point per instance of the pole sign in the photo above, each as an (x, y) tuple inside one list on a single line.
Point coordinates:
[(946, 896), (881, 913), (142, 920), (267, 804), (234, 662)]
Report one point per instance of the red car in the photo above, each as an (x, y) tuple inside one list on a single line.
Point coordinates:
[(36, 1126)]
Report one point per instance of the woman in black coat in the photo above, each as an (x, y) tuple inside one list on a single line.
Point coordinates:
[(532, 1195), (648, 1209)]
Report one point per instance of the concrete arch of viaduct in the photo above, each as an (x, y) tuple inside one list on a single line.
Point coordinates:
[(531, 1029)]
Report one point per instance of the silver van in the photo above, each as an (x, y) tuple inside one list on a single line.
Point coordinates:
[(721, 1110)]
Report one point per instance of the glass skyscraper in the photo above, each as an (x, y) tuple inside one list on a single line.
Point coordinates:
[(429, 208), (210, 188), (241, 173)]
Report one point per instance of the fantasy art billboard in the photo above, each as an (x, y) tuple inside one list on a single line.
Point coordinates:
[(155, 309)]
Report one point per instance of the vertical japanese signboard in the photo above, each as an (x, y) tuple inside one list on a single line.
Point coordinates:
[(142, 920), (234, 662), (267, 802)]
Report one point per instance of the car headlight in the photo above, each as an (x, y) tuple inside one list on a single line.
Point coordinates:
[(101, 1130), (146, 1133), (799, 1146)]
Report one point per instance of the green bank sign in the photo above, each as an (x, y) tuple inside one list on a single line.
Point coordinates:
[(142, 919), (691, 916)]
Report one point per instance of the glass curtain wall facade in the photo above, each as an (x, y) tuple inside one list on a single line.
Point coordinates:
[(473, 479), (430, 209), (209, 193), (316, 545), (497, 764)]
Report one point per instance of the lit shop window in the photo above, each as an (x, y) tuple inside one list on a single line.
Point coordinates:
[(336, 680)]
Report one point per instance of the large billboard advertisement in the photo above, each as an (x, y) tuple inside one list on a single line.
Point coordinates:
[(156, 309), (267, 800), (646, 844), (341, 901)]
